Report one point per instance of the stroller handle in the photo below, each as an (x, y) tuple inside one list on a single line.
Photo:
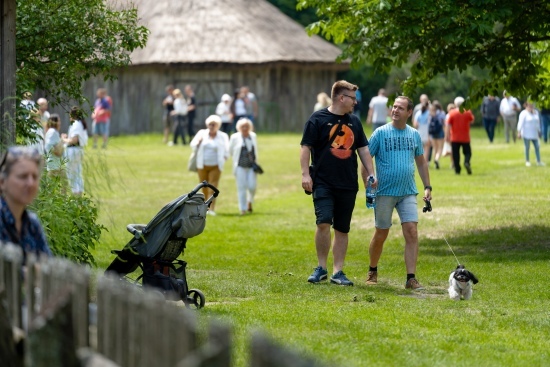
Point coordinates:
[(200, 186)]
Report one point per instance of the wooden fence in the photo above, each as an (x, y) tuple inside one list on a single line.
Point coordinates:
[(48, 320)]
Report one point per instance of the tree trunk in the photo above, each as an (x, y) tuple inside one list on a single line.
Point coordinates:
[(7, 74)]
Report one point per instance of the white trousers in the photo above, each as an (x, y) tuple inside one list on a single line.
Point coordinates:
[(246, 186), (74, 169)]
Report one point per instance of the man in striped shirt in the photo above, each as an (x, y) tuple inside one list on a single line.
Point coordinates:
[(396, 148)]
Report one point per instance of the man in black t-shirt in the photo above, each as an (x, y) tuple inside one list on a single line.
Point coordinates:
[(335, 183), (191, 110)]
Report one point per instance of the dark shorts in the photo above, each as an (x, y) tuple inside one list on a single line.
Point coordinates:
[(334, 206), (167, 119)]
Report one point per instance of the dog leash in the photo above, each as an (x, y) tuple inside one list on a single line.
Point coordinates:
[(428, 208)]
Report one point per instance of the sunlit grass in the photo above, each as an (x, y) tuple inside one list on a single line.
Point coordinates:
[(253, 269)]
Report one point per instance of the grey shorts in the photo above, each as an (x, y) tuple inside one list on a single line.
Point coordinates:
[(406, 208)]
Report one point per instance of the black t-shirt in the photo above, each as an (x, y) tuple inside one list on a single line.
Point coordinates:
[(169, 106), (338, 167), (191, 101)]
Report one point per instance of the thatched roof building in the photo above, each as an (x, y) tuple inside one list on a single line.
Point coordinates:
[(216, 46)]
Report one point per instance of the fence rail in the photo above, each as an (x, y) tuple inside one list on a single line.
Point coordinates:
[(46, 301)]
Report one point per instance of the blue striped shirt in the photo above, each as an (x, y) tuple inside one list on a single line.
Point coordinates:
[(394, 151)]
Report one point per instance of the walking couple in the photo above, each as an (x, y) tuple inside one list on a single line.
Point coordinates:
[(333, 137)]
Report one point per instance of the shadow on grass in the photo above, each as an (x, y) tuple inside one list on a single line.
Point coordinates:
[(505, 244)]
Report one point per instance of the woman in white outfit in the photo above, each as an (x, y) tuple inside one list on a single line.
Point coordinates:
[(53, 147), (529, 130), (212, 149), (75, 141), (243, 148)]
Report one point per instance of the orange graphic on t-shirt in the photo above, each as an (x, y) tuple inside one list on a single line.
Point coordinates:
[(341, 146)]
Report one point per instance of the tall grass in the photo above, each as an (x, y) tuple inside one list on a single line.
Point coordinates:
[(253, 269)]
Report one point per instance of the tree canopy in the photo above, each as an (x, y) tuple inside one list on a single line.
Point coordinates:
[(507, 38), (61, 43)]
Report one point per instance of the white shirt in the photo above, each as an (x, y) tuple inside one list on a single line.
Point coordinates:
[(380, 109), (529, 125), (423, 119), (506, 106), (51, 140), (77, 129), (236, 145), (210, 157), (222, 142), (44, 118), (224, 111), (180, 106), (240, 108)]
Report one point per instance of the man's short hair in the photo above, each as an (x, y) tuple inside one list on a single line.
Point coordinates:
[(341, 86), (410, 104)]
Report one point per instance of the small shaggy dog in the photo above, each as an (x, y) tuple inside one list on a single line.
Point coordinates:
[(460, 283)]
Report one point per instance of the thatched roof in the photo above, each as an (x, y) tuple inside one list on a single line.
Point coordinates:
[(225, 31)]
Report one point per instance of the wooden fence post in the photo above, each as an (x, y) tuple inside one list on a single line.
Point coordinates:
[(11, 260), (50, 340), (137, 327), (215, 353), (266, 353), (8, 354), (50, 275)]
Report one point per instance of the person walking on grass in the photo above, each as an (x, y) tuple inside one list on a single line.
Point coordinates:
[(458, 133), (396, 147), (243, 148), (490, 111), (212, 149), (509, 108), (332, 136), (75, 141), (529, 130), (102, 117)]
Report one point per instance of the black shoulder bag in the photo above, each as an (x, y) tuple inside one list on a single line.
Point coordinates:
[(313, 168)]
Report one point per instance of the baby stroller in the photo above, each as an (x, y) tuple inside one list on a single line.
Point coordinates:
[(156, 246)]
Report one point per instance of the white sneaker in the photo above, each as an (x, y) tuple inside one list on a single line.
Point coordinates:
[(528, 164), (541, 164), (170, 143), (211, 212)]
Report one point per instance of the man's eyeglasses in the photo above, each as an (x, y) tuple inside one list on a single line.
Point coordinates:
[(353, 98)]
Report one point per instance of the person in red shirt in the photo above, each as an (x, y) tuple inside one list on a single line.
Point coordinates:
[(458, 133)]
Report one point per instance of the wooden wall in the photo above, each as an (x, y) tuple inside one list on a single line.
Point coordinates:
[(286, 93)]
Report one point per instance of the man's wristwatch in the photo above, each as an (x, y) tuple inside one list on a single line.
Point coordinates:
[(428, 187)]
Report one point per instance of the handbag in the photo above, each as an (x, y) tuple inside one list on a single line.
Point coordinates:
[(252, 160), (192, 164), (257, 168)]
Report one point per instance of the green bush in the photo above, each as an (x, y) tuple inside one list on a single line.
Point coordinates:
[(70, 221)]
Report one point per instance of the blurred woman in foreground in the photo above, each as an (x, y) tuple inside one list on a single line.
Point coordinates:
[(20, 170)]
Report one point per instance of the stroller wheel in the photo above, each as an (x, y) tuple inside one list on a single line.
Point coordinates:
[(195, 299)]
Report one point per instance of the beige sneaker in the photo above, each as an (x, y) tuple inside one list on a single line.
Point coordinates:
[(372, 278), (413, 285)]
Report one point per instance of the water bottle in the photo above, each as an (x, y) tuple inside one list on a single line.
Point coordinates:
[(371, 194)]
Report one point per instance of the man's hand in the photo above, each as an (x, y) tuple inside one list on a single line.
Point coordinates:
[(427, 194), (307, 182), (374, 182)]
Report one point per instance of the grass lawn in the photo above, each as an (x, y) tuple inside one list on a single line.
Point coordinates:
[(253, 269)]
